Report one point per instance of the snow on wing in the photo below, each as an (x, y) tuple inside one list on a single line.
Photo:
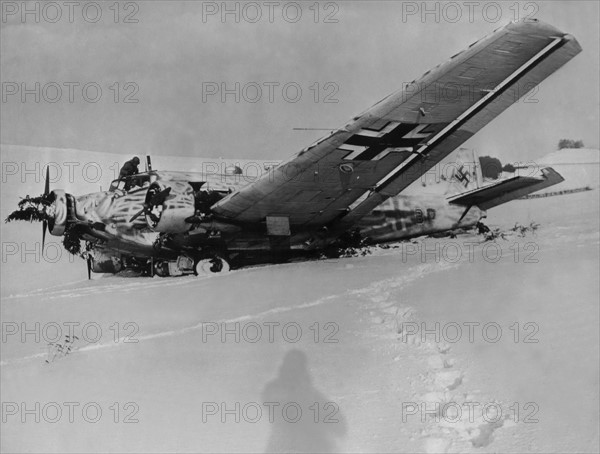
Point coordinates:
[(346, 174)]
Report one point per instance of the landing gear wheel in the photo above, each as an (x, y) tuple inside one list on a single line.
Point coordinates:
[(213, 265)]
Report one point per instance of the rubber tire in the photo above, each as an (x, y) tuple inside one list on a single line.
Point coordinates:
[(213, 265)]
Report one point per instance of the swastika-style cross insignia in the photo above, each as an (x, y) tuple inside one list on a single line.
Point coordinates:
[(371, 144), (462, 176)]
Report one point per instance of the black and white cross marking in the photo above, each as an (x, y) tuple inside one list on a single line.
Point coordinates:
[(393, 137)]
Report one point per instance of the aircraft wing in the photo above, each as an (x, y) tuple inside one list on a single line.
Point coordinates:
[(506, 190), (345, 175)]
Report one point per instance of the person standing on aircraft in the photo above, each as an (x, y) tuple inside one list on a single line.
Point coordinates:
[(130, 168)]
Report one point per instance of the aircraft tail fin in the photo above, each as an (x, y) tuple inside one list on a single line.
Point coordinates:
[(463, 173)]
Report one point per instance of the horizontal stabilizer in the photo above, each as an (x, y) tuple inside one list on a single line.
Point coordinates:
[(506, 190)]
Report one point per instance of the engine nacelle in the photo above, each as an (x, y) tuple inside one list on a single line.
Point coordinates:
[(170, 215), (58, 212)]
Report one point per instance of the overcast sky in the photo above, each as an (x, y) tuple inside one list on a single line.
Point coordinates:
[(356, 53)]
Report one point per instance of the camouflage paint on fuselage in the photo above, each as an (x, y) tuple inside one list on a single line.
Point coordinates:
[(403, 217), (114, 210), (398, 218)]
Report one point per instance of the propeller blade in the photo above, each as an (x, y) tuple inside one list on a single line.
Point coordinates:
[(44, 229), (47, 185), (156, 200), (46, 192), (138, 214), (160, 197), (89, 267)]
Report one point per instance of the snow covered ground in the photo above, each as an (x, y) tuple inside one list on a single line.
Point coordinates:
[(415, 348)]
